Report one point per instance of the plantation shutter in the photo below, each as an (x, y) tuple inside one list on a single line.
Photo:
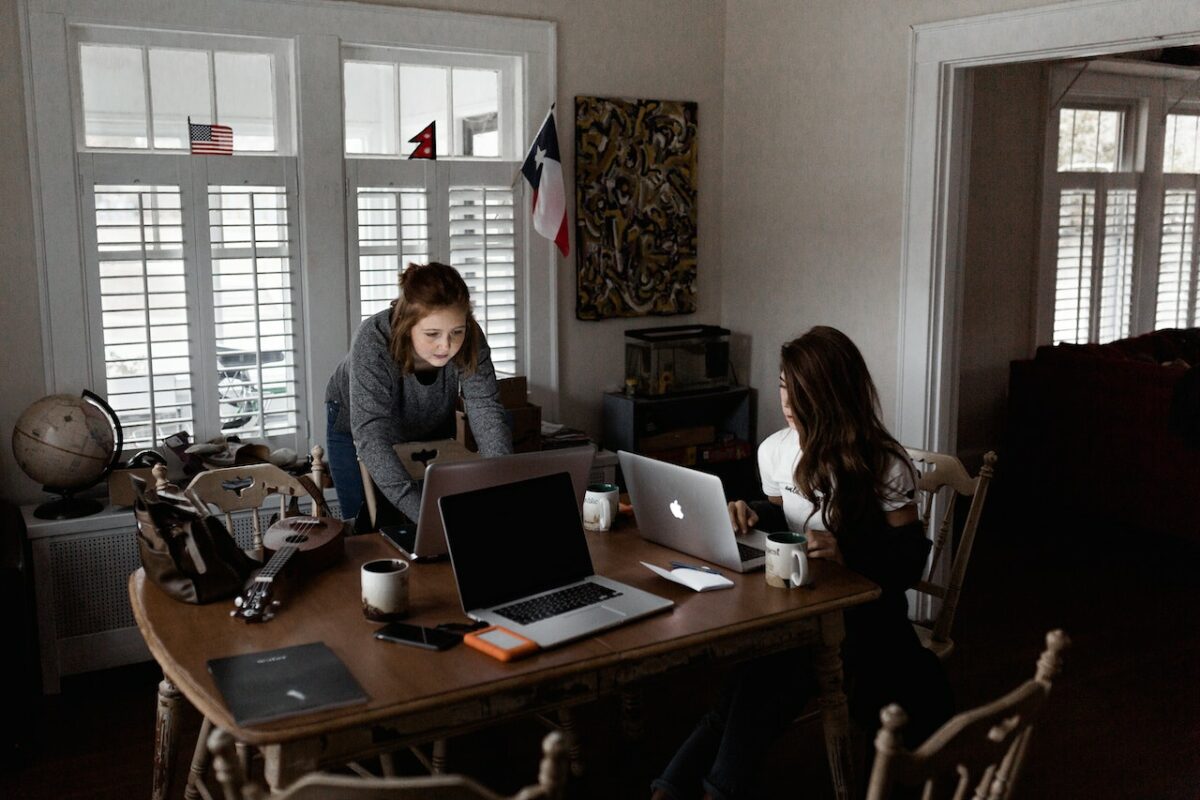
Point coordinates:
[(1176, 302), (254, 310), (483, 250), (139, 271)]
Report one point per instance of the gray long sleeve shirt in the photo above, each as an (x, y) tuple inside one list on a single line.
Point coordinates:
[(381, 408)]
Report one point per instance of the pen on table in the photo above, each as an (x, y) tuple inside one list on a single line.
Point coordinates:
[(700, 567)]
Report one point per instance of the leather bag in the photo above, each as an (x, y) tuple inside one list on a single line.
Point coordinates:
[(185, 550)]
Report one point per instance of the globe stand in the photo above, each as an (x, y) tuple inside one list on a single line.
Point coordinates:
[(67, 506)]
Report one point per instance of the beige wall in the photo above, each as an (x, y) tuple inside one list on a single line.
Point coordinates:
[(1000, 266), (22, 376), (815, 120), (670, 49)]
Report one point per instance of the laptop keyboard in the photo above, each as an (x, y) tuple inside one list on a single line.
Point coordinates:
[(560, 602), (748, 553)]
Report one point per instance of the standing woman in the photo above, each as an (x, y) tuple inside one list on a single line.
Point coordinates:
[(400, 383), (837, 475)]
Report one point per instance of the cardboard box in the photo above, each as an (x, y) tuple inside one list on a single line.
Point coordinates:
[(120, 490), (524, 418), (525, 423), (513, 392)]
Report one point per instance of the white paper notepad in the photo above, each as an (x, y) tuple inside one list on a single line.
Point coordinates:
[(694, 579)]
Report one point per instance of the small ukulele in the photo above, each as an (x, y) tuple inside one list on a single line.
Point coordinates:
[(314, 542)]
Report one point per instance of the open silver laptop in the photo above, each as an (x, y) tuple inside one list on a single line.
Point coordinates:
[(685, 509), (521, 561), (427, 540)]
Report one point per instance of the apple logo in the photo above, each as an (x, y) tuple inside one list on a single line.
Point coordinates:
[(676, 509)]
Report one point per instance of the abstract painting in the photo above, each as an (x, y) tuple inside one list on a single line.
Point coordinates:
[(635, 207)]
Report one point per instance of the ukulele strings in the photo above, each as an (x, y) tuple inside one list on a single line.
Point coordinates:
[(301, 525)]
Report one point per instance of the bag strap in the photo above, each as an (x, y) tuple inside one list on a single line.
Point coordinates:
[(318, 497)]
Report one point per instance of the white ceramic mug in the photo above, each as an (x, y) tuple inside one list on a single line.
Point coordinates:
[(385, 589), (787, 560), (600, 506)]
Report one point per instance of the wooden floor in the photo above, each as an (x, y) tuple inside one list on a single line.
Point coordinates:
[(1125, 717)]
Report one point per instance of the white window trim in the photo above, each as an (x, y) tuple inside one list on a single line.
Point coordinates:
[(317, 29)]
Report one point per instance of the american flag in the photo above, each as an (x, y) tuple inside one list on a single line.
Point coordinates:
[(210, 140)]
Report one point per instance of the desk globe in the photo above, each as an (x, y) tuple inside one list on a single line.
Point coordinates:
[(67, 444)]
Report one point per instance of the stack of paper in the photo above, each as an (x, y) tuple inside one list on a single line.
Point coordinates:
[(694, 579)]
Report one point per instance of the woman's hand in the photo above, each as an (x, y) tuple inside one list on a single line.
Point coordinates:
[(742, 516), (822, 544)]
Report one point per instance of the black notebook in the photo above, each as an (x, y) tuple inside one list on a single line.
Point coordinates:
[(258, 687)]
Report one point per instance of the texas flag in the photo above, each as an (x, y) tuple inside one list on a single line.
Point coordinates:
[(543, 170)]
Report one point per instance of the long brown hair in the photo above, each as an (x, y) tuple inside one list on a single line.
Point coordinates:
[(846, 451), (424, 289)]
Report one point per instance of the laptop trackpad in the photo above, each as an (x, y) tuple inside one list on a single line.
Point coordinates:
[(593, 616)]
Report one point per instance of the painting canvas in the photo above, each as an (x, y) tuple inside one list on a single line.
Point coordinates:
[(635, 207)]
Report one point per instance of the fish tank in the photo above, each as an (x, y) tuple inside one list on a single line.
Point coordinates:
[(675, 359)]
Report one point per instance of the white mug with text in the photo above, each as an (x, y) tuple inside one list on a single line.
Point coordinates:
[(600, 504), (787, 560)]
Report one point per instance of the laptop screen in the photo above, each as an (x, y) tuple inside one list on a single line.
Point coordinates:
[(514, 540)]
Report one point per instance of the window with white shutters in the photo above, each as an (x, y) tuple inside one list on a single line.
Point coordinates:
[(143, 311), (1073, 269), (253, 309), (483, 250), (393, 232), (1177, 261), (1121, 263), (191, 314), (1116, 265)]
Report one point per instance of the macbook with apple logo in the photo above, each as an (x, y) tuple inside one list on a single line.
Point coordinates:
[(685, 509)]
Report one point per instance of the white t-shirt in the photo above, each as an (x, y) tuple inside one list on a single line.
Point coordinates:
[(777, 458)]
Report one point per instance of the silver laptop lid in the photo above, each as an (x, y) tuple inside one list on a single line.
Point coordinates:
[(464, 476), (684, 509)]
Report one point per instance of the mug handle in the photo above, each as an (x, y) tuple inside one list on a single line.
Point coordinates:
[(605, 519), (800, 573)]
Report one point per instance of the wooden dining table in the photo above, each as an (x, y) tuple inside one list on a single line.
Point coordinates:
[(417, 695)]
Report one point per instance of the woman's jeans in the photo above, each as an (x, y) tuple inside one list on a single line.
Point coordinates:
[(343, 463)]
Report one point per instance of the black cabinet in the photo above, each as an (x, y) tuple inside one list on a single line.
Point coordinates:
[(712, 431)]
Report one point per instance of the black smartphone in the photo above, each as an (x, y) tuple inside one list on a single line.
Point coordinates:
[(418, 636)]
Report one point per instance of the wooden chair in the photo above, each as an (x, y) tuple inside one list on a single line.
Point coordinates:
[(234, 489), (551, 784), (944, 476), (981, 748)]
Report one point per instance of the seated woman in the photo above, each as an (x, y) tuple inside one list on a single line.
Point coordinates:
[(837, 475), (400, 383)]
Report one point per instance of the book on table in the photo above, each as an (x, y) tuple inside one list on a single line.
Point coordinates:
[(272, 684)]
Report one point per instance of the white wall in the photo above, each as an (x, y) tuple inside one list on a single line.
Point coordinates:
[(667, 49), (1000, 269), (815, 119)]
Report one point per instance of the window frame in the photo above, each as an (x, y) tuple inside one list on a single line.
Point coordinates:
[(512, 132), (147, 39), (194, 176), (315, 31), (1148, 91)]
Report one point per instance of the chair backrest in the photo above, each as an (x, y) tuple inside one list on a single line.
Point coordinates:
[(945, 476), (551, 780), (241, 488), (982, 748)]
